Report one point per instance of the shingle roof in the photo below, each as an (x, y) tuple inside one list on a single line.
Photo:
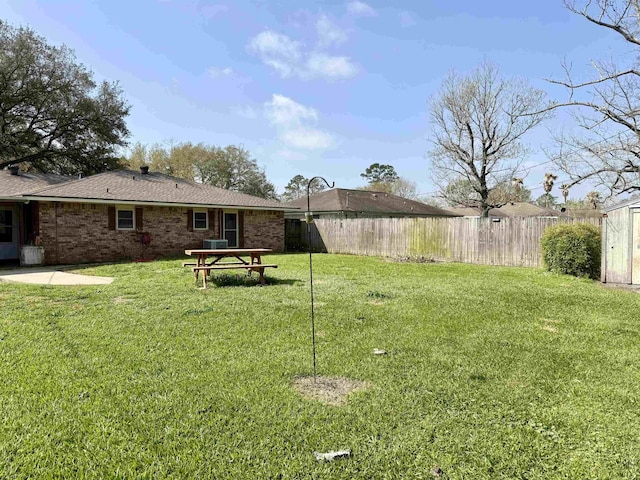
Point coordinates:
[(131, 186), (476, 211), (12, 185), (362, 201), (524, 209), (582, 213), (514, 209)]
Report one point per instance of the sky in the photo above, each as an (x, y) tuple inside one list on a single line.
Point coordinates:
[(314, 88)]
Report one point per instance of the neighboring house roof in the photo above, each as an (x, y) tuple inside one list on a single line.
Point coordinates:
[(127, 186), (512, 209), (582, 213), (12, 185), (367, 202), (524, 209), (476, 211)]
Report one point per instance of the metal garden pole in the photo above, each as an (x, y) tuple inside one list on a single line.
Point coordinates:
[(308, 217)]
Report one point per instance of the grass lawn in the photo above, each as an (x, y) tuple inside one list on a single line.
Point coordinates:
[(490, 373)]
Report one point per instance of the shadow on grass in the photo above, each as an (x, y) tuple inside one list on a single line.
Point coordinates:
[(232, 280)]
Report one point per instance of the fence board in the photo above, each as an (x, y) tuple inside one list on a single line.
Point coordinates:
[(509, 242)]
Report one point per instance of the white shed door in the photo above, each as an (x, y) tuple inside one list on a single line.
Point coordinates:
[(635, 249)]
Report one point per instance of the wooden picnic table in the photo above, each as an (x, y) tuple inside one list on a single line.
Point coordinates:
[(237, 255)]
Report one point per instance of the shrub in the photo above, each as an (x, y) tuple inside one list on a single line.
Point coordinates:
[(572, 249)]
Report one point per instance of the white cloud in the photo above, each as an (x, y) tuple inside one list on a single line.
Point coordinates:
[(277, 51), (328, 33), (296, 124), (307, 139), (271, 44), (285, 56), (322, 65), (283, 111), (360, 9), (215, 72)]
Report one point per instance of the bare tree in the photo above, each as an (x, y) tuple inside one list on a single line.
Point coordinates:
[(478, 124), (404, 188), (606, 107)]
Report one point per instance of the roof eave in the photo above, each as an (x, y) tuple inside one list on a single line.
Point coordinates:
[(13, 199), (99, 201)]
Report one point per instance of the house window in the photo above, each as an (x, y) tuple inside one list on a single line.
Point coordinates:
[(125, 219), (230, 230), (200, 220)]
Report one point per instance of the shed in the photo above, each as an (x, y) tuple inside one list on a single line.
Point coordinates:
[(621, 243)]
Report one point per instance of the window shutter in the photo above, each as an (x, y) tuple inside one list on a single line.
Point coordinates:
[(35, 218), (212, 219), (190, 220), (241, 228), (111, 214), (139, 219), (220, 224)]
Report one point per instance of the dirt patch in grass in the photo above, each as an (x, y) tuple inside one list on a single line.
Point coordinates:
[(549, 328), (329, 390)]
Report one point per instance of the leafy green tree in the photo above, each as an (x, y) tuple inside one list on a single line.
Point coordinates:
[(462, 193), (230, 167), (53, 116), (377, 173), (574, 203), (297, 188), (179, 160), (233, 168), (547, 200), (509, 192), (138, 155)]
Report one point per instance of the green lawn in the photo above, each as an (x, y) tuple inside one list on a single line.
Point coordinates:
[(490, 373)]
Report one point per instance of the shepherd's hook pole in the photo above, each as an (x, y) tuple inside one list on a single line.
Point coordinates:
[(309, 219)]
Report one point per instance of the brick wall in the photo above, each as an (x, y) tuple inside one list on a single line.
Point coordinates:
[(79, 233), (264, 229)]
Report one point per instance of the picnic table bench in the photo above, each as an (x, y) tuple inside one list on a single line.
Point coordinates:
[(253, 264)]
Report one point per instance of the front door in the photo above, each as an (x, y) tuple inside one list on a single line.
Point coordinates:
[(230, 227), (8, 233), (635, 248)]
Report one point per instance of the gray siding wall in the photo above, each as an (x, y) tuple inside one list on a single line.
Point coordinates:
[(616, 233)]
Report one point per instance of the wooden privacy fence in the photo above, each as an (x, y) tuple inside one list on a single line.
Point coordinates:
[(510, 242)]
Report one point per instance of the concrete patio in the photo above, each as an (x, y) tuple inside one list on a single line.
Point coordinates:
[(50, 276)]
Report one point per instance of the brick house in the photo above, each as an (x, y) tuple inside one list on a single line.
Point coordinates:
[(110, 216)]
